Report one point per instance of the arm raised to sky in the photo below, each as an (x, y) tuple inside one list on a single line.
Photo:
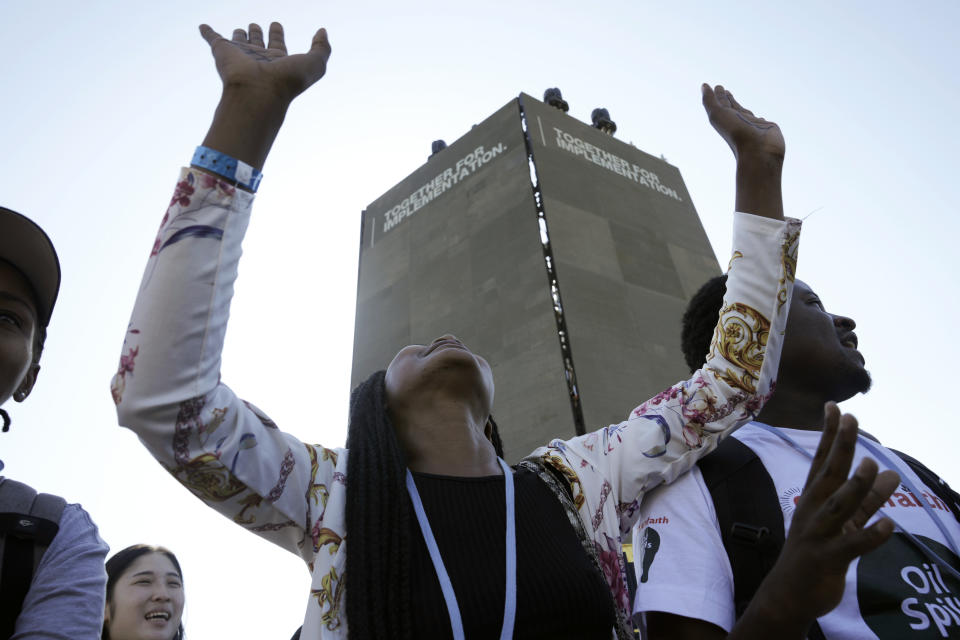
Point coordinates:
[(610, 470), (167, 388)]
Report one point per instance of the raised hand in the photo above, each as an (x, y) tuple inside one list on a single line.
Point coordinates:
[(828, 530), (245, 62), (259, 83), (758, 147), (743, 131)]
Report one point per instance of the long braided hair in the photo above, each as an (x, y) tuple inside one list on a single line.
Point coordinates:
[(378, 518)]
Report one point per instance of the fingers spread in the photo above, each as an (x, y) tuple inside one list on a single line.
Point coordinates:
[(209, 34), (319, 54), (844, 504), (256, 35), (320, 41), (276, 37), (883, 487), (835, 468), (831, 420), (239, 35), (865, 540)]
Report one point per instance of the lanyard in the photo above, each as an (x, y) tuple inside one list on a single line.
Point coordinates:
[(510, 595), (879, 453)]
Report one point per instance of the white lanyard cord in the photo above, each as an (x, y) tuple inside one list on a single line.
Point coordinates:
[(878, 452), (446, 586)]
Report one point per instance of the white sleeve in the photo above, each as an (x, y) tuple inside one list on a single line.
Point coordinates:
[(666, 435), (168, 390), (681, 565)]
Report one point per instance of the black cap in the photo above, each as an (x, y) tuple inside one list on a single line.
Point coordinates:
[(28, 248)]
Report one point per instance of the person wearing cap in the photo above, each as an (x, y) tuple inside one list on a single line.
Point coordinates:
[(65, 597)]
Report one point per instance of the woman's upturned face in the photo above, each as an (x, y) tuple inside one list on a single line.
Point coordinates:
[(147, 600), (444, 368)]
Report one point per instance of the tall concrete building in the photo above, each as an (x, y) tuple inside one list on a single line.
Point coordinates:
[(562, 255)]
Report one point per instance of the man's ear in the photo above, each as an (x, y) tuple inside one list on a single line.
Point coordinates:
[(26, 385)]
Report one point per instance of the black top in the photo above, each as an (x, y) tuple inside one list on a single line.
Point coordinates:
[(560, 593)]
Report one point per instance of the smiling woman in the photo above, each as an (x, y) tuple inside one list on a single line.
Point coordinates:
[(144, 595)]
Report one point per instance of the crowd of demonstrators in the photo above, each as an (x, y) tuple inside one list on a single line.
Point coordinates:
[(754, 478), (145, 595), (52, 578), (479, 549), (439, 536)]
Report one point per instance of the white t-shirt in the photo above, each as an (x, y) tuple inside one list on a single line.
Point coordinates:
[(892, 592)]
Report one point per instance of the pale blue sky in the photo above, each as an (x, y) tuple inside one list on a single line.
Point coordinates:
[(104, 101)]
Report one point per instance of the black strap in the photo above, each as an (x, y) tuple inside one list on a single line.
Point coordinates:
[(28, 524), (22, 533), (749, 516), (17, 562), (751, 523)]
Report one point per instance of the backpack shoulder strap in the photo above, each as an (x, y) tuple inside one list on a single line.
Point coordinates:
[(28, 524), (934, 482), (749, 516), (748, 512)]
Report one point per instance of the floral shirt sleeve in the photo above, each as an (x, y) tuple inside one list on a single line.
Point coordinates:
[(609, 470), (168, 390)]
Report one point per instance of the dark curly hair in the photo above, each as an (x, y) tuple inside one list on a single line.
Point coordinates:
[(700, 319), (378, 515)]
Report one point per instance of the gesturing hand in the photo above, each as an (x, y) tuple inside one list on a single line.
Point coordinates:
[(259, 83), (743, 131), (827, 531), (244, 62)]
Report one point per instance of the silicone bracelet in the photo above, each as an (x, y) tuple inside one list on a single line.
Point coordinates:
[(230, 168)]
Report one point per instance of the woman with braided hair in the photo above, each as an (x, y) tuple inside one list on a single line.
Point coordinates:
[(439, 536)]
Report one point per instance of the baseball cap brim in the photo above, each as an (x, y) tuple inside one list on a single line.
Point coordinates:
[(28, 248)]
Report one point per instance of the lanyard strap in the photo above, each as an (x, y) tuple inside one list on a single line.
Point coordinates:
[(510, 595), (917, 494), (879, 453)]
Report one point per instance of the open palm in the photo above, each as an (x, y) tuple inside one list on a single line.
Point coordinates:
[(245, 61), (742, 130)]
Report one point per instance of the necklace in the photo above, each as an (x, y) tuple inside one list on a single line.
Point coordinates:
[(510, 595)]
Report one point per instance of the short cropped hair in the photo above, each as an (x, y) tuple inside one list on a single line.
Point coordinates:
[(700, 319)]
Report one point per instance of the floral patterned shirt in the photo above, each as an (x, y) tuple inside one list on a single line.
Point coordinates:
[(233, 457)]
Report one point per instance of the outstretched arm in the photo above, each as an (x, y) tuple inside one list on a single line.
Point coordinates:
[(167, 388), (757, 145), (827, 532), (610, 470)]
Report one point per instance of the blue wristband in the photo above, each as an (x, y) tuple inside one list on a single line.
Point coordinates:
[(223, 165)]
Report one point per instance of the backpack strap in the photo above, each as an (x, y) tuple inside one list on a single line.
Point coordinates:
[(749, 516), (934, 482), (28, 524)]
